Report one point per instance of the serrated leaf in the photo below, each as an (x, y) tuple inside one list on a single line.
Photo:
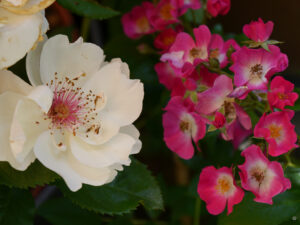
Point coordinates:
[(16, 207), (285, 206), (132, 186), (35, 175), (88, 8), (61, 211)]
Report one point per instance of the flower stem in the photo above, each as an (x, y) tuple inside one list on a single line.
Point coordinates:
[(85, 28), (197, 212)]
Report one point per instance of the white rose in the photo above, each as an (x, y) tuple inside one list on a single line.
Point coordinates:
[(79, 121), (22, 25)]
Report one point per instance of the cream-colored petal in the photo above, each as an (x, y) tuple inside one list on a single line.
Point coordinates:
[(133, 132), (27, 124), (13, 3), (11, 82), (69, 59), (26, 7), (18, 36), (33, 63), (43, 96), (124, 67), (108, 129), (8, 103), (116, 150), (72, 171), (124, 96)]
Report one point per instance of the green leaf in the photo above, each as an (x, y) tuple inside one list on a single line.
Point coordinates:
[(16, 207), (132, 186), (61, 211), (35, 175), (285, 206), (265, 46), (294, 175), (296, 107), (88, 8)]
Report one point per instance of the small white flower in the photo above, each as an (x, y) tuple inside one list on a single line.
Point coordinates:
[(79, 119), (22, 25)]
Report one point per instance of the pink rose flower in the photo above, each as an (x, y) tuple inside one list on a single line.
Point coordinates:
[(164, 14), (258, 30), (181, 127), (265, 179), (254, 67), (185, 52), (136, 22), (217, 189), (218, 7), (281, 93), (278, 131)]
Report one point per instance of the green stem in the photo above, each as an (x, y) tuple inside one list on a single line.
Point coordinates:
[(289, 162), (197, 212), (85, 28), (217, 70)]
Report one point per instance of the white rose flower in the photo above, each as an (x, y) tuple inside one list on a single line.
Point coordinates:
[(79, 121), (22, 25)]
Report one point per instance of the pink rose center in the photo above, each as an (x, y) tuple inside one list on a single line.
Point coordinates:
[(143, 24), (258, 174), (282, 96), (196, 53), (166, 12), (275, 131), (185, 126), (224, 185), (256, 72), (169, 40), (230, 112), (215, 53)]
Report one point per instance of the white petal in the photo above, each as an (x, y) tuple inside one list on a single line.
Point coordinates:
[(133, 132), (33, 63), (27, 124), (124, 96), (12, 83), (27, 7), (72, 171), (8, 102), (43, 96), (108, 129), (18, 36), (117, 150), (69, 60), (14, 2), (124, 67)]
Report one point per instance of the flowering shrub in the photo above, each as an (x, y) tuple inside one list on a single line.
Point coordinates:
[(212, 83), (218, 133)]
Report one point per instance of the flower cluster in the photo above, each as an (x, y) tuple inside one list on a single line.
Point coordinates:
[(213, 84), (77, 115), (150, 18)]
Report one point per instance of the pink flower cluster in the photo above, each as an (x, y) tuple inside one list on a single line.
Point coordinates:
[(149, 18), (215, 100), (213, 82)]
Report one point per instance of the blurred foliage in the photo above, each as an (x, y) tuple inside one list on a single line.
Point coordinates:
[(88, 8), (16, 207), (36, 174), (132, 186)]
